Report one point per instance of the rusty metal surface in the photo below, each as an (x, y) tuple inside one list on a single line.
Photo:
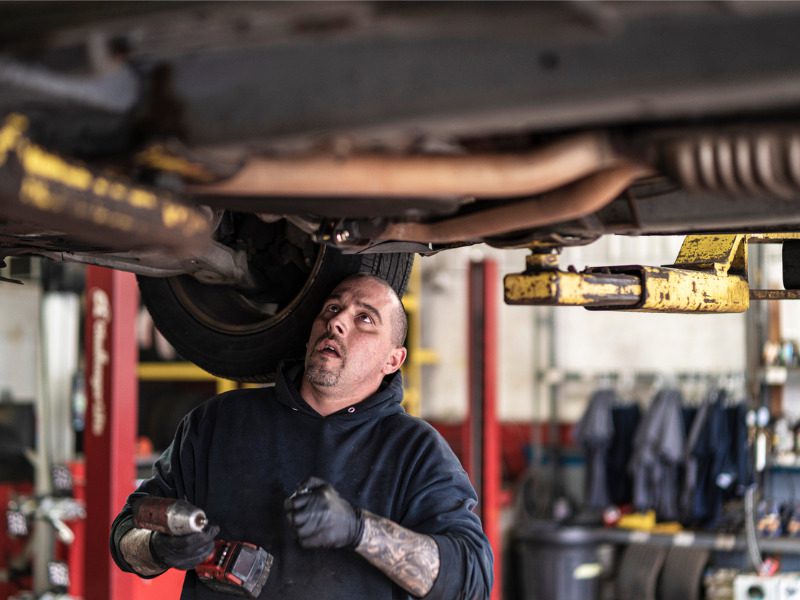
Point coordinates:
[(709, 276), (564, 288), (687, 291), (755, 160), (718, 253), (570, 202), (772, 238), (775, 294), (635, 287), (491, 176)]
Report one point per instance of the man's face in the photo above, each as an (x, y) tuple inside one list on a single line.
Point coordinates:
[(351, 345)]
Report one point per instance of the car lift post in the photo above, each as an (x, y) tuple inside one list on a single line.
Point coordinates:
[(111, 421), (482, 443)]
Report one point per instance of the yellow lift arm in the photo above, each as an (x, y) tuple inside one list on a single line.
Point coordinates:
[(709, 276)]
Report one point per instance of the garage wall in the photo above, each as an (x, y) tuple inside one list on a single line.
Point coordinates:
[(19, 334), (444, 324), (587, 343)]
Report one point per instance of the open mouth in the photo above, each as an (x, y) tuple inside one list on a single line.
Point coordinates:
[(329, 349)]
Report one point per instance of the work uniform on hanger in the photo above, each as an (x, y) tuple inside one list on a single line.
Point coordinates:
[(658, 450), (625, 419), (594, 432), (714, 466), (691, 459), (740, 450), (722, 457)]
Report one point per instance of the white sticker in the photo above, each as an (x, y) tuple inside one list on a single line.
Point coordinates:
[(587, 571), (640, 537), (725, 542)]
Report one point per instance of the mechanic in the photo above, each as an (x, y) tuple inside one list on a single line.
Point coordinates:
[(325, 471)]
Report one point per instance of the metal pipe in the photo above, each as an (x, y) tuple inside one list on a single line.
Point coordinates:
[(122, 262), (570, 202), (485, 175), (758, 160), (217, 265), (116, 91)]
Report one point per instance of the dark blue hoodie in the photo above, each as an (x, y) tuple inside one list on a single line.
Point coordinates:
[(239, 455)]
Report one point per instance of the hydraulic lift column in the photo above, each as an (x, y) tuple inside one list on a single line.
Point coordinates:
[(483, 432), (111, 421)]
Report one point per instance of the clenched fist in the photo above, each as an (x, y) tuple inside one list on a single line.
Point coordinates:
[(322, 518)]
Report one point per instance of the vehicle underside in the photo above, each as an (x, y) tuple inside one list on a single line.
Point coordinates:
[(241, 158)]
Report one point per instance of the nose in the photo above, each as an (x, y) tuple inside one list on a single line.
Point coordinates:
[(336, 324)]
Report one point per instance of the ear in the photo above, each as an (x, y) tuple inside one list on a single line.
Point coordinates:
[(395, 360)]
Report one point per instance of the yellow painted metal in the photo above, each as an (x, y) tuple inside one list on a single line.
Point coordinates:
[(644, 289), (226, 385), (181, 371), (720, 254), (160, 157), (709, 276), (44, 173), (565, 288), (411, 298), (426, 356), (639, 521), (417, 354), (772, 238), (412, 401), (173, 371), (685, 291), (252, 386)]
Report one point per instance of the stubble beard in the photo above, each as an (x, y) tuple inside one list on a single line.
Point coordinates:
[(318, 373)]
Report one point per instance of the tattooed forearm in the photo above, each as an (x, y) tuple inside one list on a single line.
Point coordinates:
[(409, 559)]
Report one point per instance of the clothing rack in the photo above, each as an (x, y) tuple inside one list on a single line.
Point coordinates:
[(641, 386)]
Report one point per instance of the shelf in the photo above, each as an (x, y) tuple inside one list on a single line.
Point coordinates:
[(710, 541), (783, 468), (694, 539)]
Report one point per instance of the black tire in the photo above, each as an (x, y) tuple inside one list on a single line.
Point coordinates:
[(215, 328)]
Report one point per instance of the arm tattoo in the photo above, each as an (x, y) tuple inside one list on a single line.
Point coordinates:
[(409, 559)]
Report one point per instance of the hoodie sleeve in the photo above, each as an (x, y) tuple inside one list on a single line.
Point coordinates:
[(173, 477), (440, 503)]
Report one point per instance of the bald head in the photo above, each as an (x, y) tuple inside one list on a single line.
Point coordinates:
[(398, 314)]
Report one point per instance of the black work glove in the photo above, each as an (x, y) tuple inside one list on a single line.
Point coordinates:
[(183, 551), (322, 518)]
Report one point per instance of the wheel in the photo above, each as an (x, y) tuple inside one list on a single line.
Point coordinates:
[(244, 337)]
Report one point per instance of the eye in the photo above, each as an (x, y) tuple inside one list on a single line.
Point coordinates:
[(366, 318), (332, 308)]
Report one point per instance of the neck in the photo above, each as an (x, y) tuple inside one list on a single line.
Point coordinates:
[(328, 400)]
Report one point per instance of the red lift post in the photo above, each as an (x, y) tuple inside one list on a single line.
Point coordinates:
[(482, 443), (110, 439), (111, 421)]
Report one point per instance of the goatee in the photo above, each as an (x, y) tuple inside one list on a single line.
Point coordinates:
[(320, 376), (316, 371)]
